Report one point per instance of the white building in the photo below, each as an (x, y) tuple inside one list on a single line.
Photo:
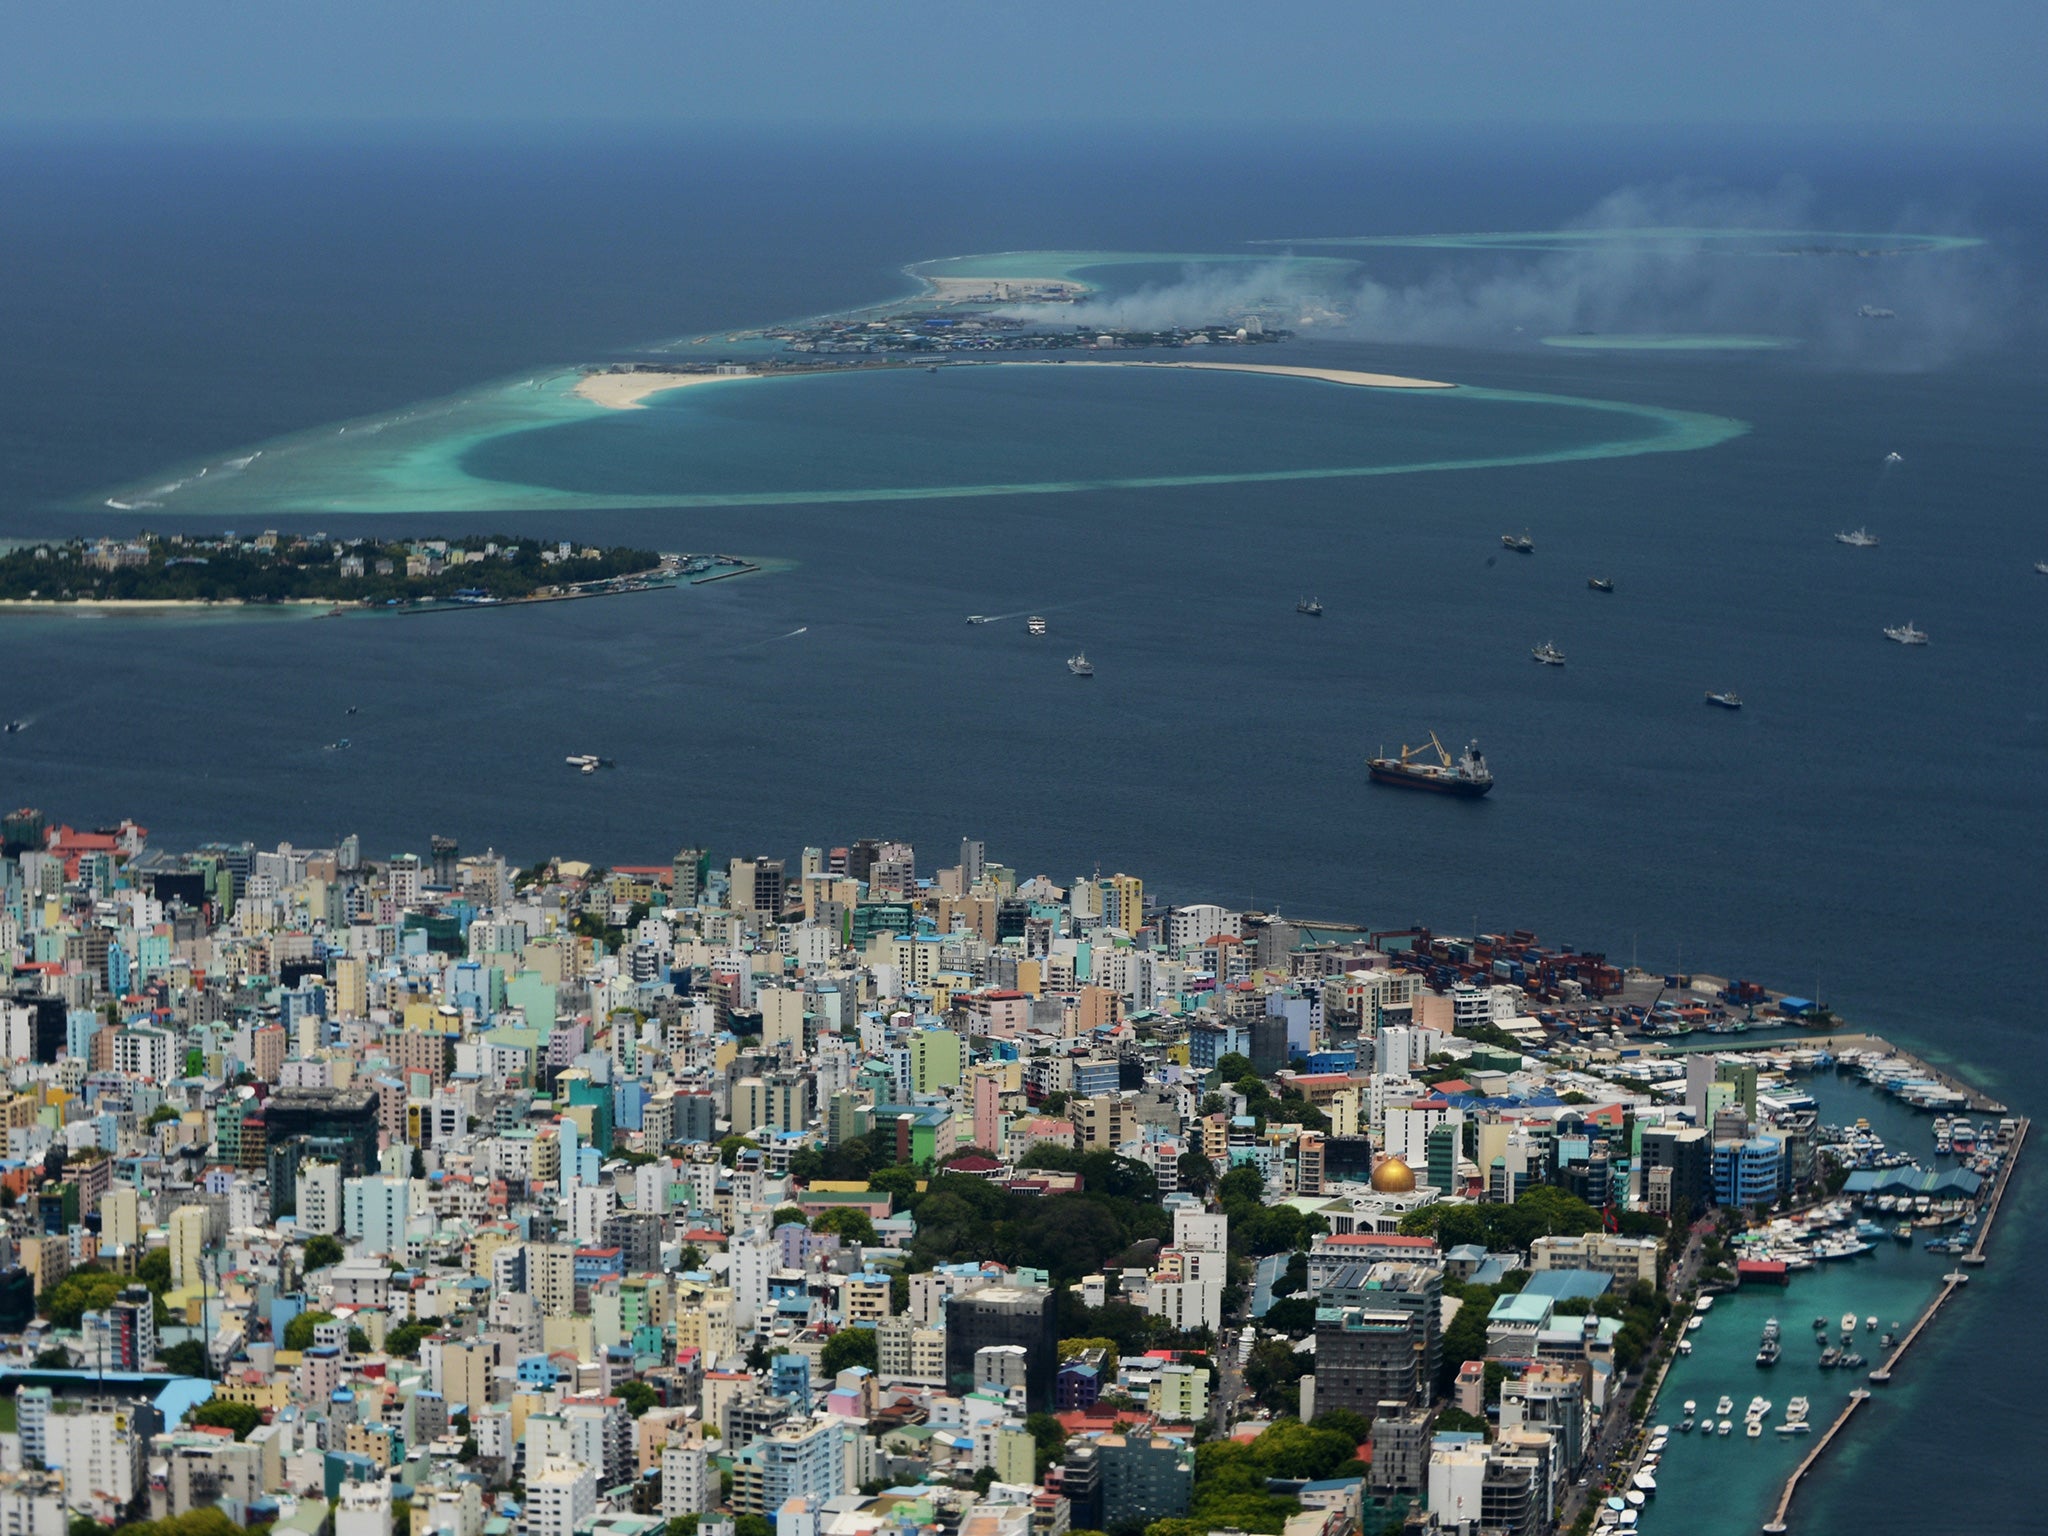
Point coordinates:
[(686, 1488), (562, 1497), (363, 1510), (319, 1195)]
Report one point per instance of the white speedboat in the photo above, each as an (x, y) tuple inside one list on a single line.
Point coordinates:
[(1905, 633), (1848, 1322)]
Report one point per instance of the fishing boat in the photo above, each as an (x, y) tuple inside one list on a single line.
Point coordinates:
[(1547, 654), (1521, 544), (1862, 538), (1311, 606), (1035, 625), (1725, 700), (1599, 583), (1468, 777), (1905, 633), (1080, 665)]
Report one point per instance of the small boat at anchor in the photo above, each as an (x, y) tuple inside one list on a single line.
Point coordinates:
[(1725, 700), (1599, 583), (1547, 654)]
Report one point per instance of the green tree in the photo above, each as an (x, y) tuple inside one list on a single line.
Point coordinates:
[(298, 1333), (358, 1342), (848, 1347), (55, 1358), (404, 1340), (187, 1358), (88, 1288), (786, 1215), (218, 1413), (1050, 1437), (638, 1397), (852, 1224), (153, 1269), (1195, 1173), (321, 1251)]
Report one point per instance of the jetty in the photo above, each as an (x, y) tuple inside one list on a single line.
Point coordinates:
[(1951, 1283)]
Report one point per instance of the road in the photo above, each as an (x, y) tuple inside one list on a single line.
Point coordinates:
[(1611, 1457)]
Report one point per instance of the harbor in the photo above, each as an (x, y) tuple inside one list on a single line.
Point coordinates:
[(1868, 1294)]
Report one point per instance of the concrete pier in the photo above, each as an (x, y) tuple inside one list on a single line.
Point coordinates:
[(1953, 1282)]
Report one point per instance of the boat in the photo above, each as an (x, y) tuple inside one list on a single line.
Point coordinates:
[(1795, 1427), (1705, 1304), (14, 727), (1685, 1346), (1903, 1232), (1724, 1407), (1798, 1408), (1830, 1358), (1035, 625), (1870, 1325), (1771, 1330), (1691, 1406), (1599, 583), (1694, 1325), (977, 618), (1080, 665), (1820, 1325), (1548, 654), (1875, 312), (1685, 1425), (1725, 1427), (1468, 777), (1645, 1482), (1861, 539), (1962, 1137), (1905, 633), (1312, 606), (1852, 1361), (2041, 566), (1756, 1429), (1725, 700), (338, 746), (352, 709), (1768, 1355), (1636, 1498), (1521, 544), (1848, 1322)]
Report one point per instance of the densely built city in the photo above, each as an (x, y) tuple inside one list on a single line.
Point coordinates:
[(847, 1195)]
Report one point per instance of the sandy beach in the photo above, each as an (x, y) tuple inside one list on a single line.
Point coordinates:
[(1282, 370), (625, 391)]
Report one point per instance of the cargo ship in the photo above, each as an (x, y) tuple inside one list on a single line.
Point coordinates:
[(1468, 776)]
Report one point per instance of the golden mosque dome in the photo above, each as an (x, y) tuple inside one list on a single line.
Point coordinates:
[(1393, 1177)]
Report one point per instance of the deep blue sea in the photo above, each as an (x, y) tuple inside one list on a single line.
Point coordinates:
[(1871, 824)]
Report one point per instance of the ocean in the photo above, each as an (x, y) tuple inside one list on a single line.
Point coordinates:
[(1867, 826)]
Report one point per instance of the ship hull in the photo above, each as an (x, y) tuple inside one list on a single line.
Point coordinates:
[(1408, 778)]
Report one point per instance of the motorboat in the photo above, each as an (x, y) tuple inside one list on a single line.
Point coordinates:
[(1795, 1427), (1861, 538), (1905, 634), (977, 618), (1725, 700), (1547, 654), (1080, 665), (1312, 607), (1848, 1322), (1756, 1429), (1521, 544), (1724, 1407), (1599, 583), (1035, 625), (1725, 1427)]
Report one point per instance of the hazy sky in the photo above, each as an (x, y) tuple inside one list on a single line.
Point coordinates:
[(1908, 62)]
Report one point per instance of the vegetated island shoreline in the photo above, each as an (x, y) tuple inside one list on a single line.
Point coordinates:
[(628, 389)]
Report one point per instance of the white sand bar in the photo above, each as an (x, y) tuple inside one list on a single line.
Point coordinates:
[(1282, 370), (625, 391)]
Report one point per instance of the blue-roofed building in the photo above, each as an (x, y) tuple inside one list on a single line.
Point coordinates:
[(1568, 1284), (1749, 1172)]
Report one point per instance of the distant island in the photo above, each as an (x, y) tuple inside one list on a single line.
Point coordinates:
[(163, 570)]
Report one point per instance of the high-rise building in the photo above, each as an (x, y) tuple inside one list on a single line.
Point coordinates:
[(1144, 1478), (791, 1461), (1367, 1357), (1004, 1314)]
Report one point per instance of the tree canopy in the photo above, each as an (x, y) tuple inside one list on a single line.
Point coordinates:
[(846, 1348)]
